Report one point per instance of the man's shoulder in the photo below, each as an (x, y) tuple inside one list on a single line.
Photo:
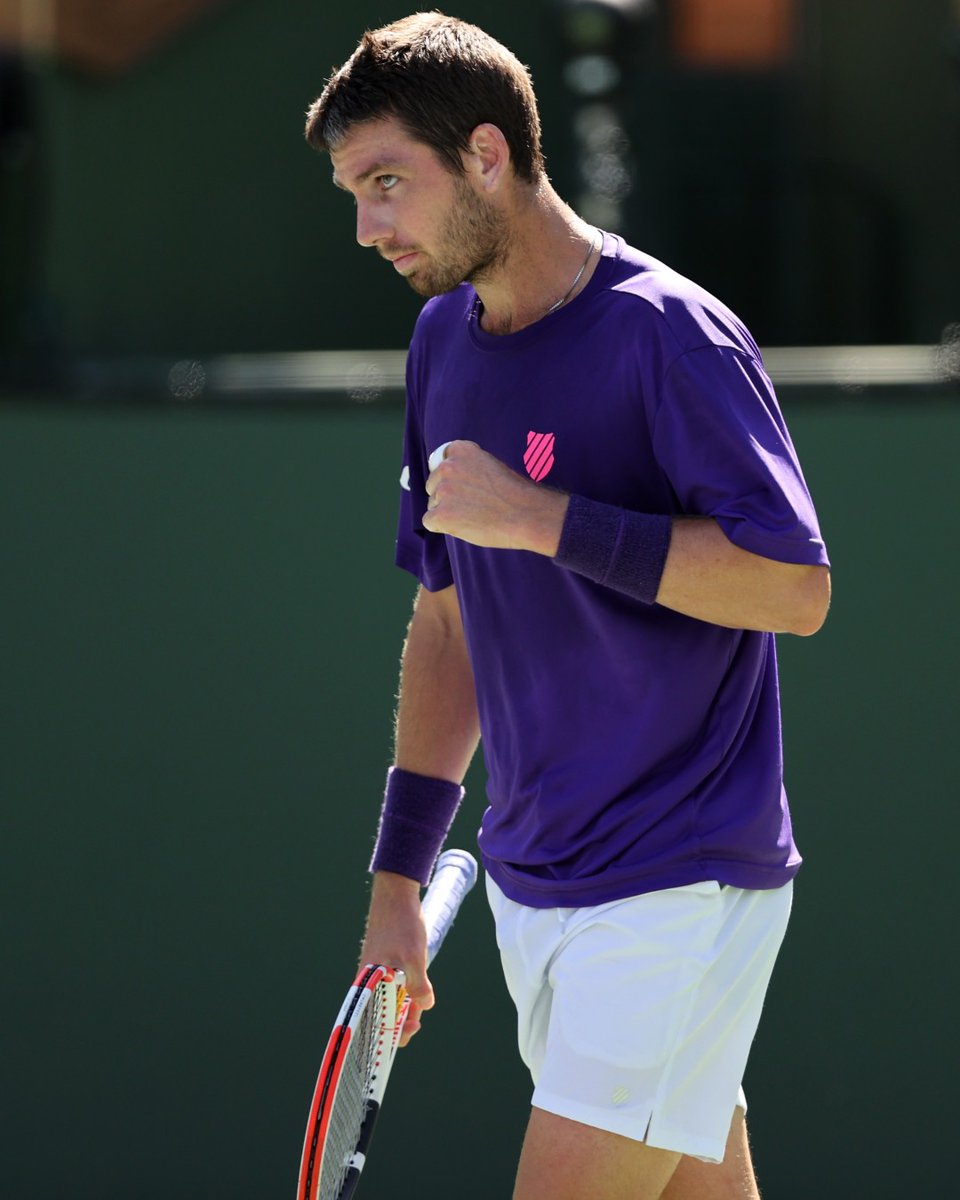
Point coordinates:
[(434, 337), (671, 306)]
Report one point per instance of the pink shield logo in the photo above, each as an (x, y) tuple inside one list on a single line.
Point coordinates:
[(538, 458)]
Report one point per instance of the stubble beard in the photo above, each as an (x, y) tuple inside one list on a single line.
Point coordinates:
[(472, 243)]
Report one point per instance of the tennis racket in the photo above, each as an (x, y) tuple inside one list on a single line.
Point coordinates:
[(356, 1065)]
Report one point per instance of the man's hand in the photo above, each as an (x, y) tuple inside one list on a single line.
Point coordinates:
[(477, 498), (397, 937)]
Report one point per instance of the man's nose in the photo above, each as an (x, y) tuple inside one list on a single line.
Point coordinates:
[(371, 226)]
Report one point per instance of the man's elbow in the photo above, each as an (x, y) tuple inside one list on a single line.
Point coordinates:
[(810, 602)]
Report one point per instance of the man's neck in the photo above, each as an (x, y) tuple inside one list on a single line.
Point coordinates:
[(550, 257)]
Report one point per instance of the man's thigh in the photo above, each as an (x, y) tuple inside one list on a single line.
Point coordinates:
[(733, 1179), (566, 1160)]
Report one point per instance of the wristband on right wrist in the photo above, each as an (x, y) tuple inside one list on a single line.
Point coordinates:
[(615, 547), (415, 819)]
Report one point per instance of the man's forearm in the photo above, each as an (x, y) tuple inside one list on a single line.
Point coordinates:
[(437, 734), (702, 574), (437, 727), (706, 576)]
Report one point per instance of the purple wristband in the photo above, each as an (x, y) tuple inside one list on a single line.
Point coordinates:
[(417, 813), (612, 546)]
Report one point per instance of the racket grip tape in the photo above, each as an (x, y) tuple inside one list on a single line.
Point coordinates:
[(454, 876)]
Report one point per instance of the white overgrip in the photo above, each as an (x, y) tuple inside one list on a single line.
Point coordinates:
[(454, 876)]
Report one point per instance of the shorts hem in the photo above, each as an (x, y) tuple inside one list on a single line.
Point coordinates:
[(668, 1137), (639, 1125)]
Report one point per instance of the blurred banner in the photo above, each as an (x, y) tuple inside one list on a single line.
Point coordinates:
[(100, 35), (801, 161), (734, 34)]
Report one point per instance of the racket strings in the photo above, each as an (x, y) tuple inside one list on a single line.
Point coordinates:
[(363, 1057)]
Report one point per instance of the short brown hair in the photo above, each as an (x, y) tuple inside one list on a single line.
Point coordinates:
[(441, 78)]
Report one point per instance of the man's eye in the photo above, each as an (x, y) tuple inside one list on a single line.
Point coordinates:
[(387, 181)]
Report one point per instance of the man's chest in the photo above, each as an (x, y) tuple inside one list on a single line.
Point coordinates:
[(576, 425)]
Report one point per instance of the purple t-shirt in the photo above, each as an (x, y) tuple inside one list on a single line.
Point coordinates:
[(628, 748)]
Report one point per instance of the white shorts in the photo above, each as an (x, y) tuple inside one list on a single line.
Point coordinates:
[(637, 1016)]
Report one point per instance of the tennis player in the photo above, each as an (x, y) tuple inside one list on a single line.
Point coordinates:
[(608, 522)]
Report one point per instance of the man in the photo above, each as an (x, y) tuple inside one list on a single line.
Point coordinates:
[(608, 522)]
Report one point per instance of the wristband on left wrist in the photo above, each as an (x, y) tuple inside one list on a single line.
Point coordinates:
[(415, 819)]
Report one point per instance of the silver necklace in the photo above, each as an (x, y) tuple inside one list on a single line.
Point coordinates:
[(576, 279)]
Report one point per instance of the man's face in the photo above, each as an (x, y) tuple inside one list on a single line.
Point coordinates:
[(434, 227)]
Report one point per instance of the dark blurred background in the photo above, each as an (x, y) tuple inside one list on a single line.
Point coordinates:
[(200, 413), (800, 157)]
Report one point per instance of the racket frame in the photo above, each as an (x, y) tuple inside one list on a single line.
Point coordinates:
[(360, 996), (455, 874)]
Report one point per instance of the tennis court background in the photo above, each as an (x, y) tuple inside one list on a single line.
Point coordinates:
[(200, 624)]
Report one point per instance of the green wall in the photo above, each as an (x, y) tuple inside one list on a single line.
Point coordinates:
[(200, 632)]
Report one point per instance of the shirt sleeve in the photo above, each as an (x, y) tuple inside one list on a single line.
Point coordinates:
[(722, 441), (422, 553)]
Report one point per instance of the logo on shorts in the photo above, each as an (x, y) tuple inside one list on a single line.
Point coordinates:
[(538, 458)]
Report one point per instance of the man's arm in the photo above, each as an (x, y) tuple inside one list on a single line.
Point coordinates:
[(476, 497), (437, 732), (437, 727), (708, 577)]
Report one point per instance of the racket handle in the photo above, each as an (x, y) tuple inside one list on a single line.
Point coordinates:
[(454, 876)]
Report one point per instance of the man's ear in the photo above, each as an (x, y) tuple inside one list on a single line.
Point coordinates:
[(487, 159)]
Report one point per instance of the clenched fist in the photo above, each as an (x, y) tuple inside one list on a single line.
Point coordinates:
[(475, 497)]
